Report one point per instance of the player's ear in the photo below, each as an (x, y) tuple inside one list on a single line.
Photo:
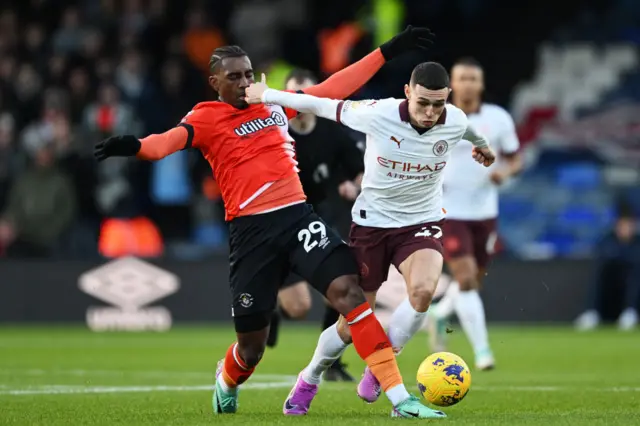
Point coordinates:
[(407, 91), (214, 82)]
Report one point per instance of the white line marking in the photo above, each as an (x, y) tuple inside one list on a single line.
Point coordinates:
[(134, 373), (62, 389), (70, 389)]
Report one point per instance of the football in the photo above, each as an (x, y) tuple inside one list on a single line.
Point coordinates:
[(444, 379)]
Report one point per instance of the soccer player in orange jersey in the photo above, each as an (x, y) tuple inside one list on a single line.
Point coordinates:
[(272, 229)]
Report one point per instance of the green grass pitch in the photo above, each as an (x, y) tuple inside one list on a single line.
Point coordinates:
[(69, 376)]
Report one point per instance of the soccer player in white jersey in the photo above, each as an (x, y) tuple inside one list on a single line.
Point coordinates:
[(398, 216), (471, 202)]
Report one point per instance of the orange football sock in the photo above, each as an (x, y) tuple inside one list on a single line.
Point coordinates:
[(373, 346), (235, 372)]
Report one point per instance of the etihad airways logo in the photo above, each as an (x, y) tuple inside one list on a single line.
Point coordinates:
[(258, 124), (405, 166)]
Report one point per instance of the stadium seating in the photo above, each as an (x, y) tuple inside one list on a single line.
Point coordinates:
[(573, 77)]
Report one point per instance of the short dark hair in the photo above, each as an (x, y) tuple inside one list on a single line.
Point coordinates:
[(224, 52), (430, 75), (299, 75), (468, 61)]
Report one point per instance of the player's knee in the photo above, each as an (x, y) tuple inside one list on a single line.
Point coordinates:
[(345, 294), (421, 294), (466, 278), (468, 282), (297, 309)]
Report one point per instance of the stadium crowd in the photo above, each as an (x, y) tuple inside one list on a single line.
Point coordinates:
[(72, 74)]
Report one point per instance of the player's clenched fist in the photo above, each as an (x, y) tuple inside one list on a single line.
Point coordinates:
[(117, 146), (484, 156), (254, 92)]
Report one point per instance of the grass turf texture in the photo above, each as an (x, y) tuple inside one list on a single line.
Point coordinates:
[(70, 376)]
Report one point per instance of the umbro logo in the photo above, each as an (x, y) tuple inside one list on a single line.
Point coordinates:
[(394, 139)]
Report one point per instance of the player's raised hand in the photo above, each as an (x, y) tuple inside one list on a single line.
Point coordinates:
[(253, 93), (484, 156), (412, 38), (117, 146)]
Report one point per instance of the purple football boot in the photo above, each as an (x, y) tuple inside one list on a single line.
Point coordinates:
[(300, 397), (369, 388)]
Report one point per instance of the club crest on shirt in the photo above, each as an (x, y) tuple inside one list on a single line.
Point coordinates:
[(358, 104), (440, 148)]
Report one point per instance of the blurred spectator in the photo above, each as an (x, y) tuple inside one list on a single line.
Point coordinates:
[(133, 19), (7, 157), (255, 27), (57, 66), (8, 31), (79, 93), (41, 205), (70, 35), (92, 45), (34, 46), (109, 115), (200, 39), (617, 273), (131, 77), (28, 88)]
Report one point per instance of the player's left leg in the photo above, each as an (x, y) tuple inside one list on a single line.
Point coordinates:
[(240, 361), (417, 253)]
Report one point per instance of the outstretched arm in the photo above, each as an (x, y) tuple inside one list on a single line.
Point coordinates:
[(153, 147), (322, 107), (156, 147), (347, 81), (343, 112)]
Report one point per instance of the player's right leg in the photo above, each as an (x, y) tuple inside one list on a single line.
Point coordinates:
[(257, 268)]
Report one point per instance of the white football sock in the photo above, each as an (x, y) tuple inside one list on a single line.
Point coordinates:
[(330, 347), (445, 307), (397, 394), (470, 311), (404, 323)]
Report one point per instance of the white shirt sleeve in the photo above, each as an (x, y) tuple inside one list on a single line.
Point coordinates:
[(357, 115), (322, 107), (508, 139), (354, 114), (476, 138)]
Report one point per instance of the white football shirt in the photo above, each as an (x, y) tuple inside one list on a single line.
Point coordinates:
[(404, 168), (469, 193)]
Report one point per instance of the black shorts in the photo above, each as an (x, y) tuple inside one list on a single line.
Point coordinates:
[(338, 214), (265, 247)]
